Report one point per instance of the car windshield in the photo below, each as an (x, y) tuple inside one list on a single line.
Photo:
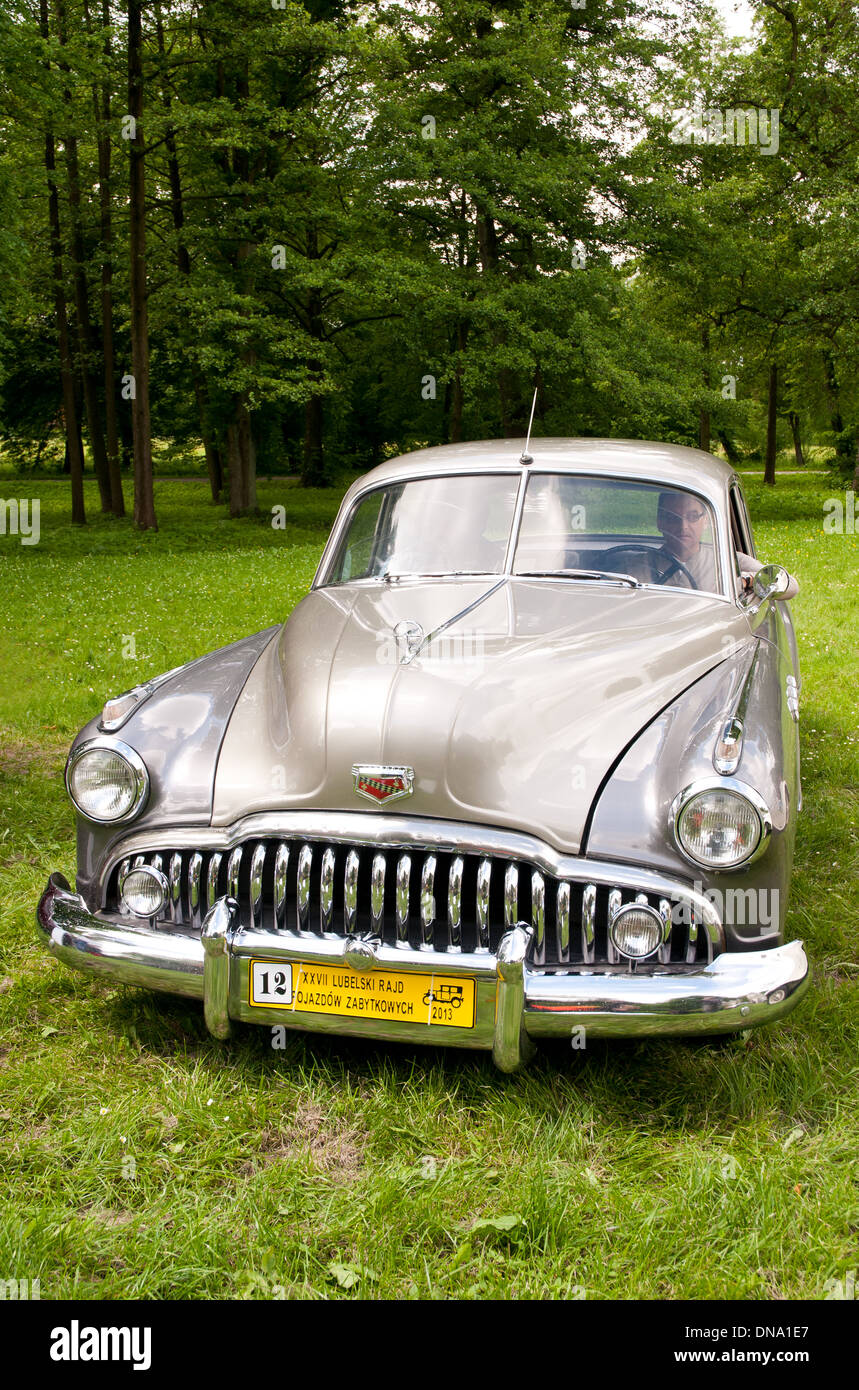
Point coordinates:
[(572, 526), (606, 526), (429, 526)]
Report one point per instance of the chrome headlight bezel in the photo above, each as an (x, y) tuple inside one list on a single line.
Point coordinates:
[(136, 765), (743, 792)]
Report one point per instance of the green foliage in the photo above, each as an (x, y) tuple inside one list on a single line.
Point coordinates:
[(376, 227)]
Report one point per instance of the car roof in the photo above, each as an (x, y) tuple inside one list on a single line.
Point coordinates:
[(671, 464)]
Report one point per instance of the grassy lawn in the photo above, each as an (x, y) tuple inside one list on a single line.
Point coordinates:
[(142, 1159)]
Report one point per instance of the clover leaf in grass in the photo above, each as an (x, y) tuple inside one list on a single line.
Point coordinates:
[(512, 1226), (348, 1276)]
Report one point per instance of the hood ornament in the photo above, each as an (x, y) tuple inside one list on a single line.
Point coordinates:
[(379, 782), (409, 635)]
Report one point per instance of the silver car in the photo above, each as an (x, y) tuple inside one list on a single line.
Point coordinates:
[(523, 763)]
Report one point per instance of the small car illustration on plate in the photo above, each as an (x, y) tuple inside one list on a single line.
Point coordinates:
[(445, 994), (529, 747)]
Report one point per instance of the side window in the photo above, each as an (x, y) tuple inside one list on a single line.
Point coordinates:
[(745, 512), (740, 531), (741, 526), (363, 538)]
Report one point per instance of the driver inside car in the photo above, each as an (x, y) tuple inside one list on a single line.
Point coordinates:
[(683, 519)]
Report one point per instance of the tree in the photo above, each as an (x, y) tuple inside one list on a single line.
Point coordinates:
[(144, 500), (73, 439), (102, 92)]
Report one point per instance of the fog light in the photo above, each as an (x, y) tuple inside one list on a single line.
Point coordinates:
[(636, 931), (144, 892)]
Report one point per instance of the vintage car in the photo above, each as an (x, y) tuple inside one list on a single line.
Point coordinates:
[(522, 764)]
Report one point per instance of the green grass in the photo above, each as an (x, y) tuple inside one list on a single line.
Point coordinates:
[(142, 1159)]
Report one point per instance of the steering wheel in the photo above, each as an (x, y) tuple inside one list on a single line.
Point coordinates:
[(635, 548), (672, 568)]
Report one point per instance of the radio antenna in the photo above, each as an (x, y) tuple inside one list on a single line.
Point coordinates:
[(526, 457)]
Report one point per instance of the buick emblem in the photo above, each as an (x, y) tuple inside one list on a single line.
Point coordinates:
[(379, 783)]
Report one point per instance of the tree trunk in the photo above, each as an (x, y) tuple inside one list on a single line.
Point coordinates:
[(731, 450), (248, 455), (144, 500), (845, 442), (704, 424), (86, 344), (455, 435), (457, 403), (213, 453), (126, 440), (508, 395), (234, 463), (704, 430), (74, 451), (772, 421), (797, 440), (241, 456), (183, 262), (42, 442), (77, 439), (101, 102), (313, 462), (72, 465)]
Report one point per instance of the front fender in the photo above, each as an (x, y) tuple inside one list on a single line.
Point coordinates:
[(178, 731), (631, 821)]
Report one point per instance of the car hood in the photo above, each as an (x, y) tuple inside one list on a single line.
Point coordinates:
[(513, 716)]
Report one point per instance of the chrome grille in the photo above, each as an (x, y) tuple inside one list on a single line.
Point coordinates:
[(430, 899)]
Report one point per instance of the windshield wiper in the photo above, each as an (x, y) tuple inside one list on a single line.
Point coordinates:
[(610, 576), (433, 574)]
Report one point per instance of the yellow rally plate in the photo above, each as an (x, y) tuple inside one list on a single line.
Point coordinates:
[(392, 995)]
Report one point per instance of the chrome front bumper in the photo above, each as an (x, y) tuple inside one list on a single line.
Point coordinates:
[(514, 1003)]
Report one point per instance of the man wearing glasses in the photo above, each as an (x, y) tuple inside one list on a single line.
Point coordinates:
[(682, 519)]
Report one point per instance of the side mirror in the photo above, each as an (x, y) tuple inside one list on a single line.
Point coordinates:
[(771, 581)]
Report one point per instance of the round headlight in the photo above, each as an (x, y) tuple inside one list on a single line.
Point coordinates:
[(636, 931), (720, 827), (144, 891), (106, 780)]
